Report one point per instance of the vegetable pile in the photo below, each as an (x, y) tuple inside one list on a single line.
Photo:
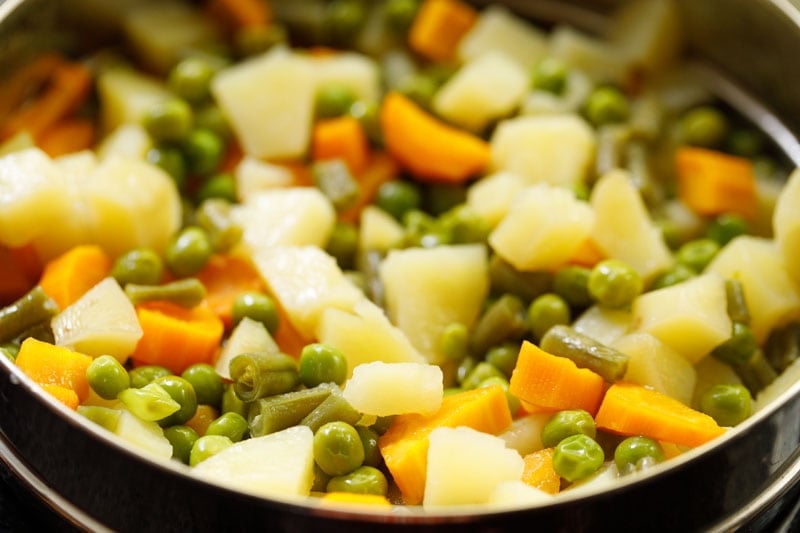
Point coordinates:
[(342, 249)]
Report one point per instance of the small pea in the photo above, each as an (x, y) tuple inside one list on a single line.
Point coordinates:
[(400, 14), (503, 357), (572, 284), (207, 446), (231, 425), (398, 197), (614, 284), (333, 100), (566, 423), (231, 403), (171, 160), (550, 75), (338, 449), (322, 363), (253, 40), (479, 373), (745, 142), (343, 19), (190, 79), (634, 453), (205, 381), (142, 375), (182, 392), (703, 126), (607, 105), (107, 377), (546, 311), (169, 121), (363, 480), (204, 151), (727, 404), (188, 252), (343, 244), (577, 457), (211, 117), (182, 439), (219, 186), (726, 227), (367, 114), (454, 341), (673, 276), (697, 254), (369, 439), (256, 306), (140, 266), (464, 368)]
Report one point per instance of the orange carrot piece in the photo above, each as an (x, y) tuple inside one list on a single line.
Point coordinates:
[(287, 337), (64, 395), (175, 337), (711, 183), (225, 277), (48, 364), (68, 136), (630, 409), (19, 271), (67, 277), (203, 416), (539, 473), (352, 498), (381, 168), (341, 138), (241, 13), (549, 382), (439, 27), (429, 148), (233, 156), (25, 80), (68, 89), (404, 446)]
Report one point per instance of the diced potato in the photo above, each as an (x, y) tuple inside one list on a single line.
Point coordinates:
[(690, 317), (102, 321), (786, 225), (512, 494), (306, 281), (125, 96), (771, 295), (143, 437), (357, 333), (385, 389), (355, 71), (623, 229), (555, 149), (129, 139), (289, 472), (480, 460), (525, 433), (492, 196), (248, 336), (487, 88), (428, 289), (711, 371), (647, 32), (269, 101), (293, 216), (378, 230), (543, 229), (499, 30), (655, 365), (601, 60), (253, 175), (603, 324)]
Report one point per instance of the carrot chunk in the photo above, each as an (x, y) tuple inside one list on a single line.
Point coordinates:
[(67, 277), (48, 364), (341, 138), (439, 26), (539, 473)]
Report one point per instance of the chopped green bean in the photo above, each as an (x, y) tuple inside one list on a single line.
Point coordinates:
[(35, 307), (259, 374), (782, 347), (585, 352), (739, 348), (334, 408), (736, 301), (186, 292), (504, 320), (274, 413)]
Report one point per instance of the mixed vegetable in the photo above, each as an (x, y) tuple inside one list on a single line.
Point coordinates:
[(402, 252)]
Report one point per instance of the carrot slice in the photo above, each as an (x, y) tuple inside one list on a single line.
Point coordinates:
[(64, 395), (48, 364), (341, 138), (19, 271), (68, 136), (439, 27), (67, 277), (225, 277), (241, 13), (630, 409), (539, 473)]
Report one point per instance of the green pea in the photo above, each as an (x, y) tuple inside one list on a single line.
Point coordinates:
[(207, 384), (320, 483), (503, 357), (253, 40), (338, 449), (572, 284), (211, 118), (368, 115), (464, 368), (745, 142), (577, 457), (739, 348), (188, 252), (545, 312), (190, 79), (182, 392), (727, 404), (550, 75), (231, 403), (479, 373), (343, 19), (107, 377), (564, 424), (168, 121), (171, 160), (231, 425), (400, 14), (677, 274), (207, 446), (727, 227), (362, 480), (454, 341), (703, 126), (256, 306), (420, 88), (369, 439), (398, 197), (697, 254), (141, 266), (464, 225), (614, 284), (442, 197), (343, 244), (204, 151), (513, 401), (142, 375), (333, 100), (322, 363), (382, 424), (636, 453), (219, 186), (182, 439), (607, 105)]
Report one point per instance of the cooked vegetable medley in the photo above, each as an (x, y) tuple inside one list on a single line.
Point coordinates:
[(403, 252)]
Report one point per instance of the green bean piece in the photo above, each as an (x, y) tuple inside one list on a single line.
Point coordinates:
[(143, 375), (188, 252), (105, 417), (185, 292), (322, 363), (564, 424), (232, 403), (231, 425), (107, 377), (464, 225), (259, 374), (479, 373), (35, 307), (546, 311), (369, 264), (739, 348), (333, 100), (550, 75), (208, 446), (416, 224), (343, 244), (41, 332), (256, 306), (207, 384), (182, 392), (614, 284), (454, 341), (572, 284), (736, 301), (210, 117), (334, 178), (321, 479), (150, 403), (254, 40), (577, 457), (745, 142), (420, 88), (182, 439), (503, 357), (342, 20), (400, 14), (585, 352), (204, 151), (171, 160), (369, 439), (697, 254), (219, 186), (274, 413), (607, 105), (213, 216), (334, 408), (169, 120), (782, 347), (190, 79), (142, 266), (338, 449), (703, 126), (505, 279), (756, 373), (10, 350), (504, 320), (677, 274), (367, 114), (502, 382), (727, 404), (637, 453), (464, 368), (727, 227), (363, 480), (398, 197)]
